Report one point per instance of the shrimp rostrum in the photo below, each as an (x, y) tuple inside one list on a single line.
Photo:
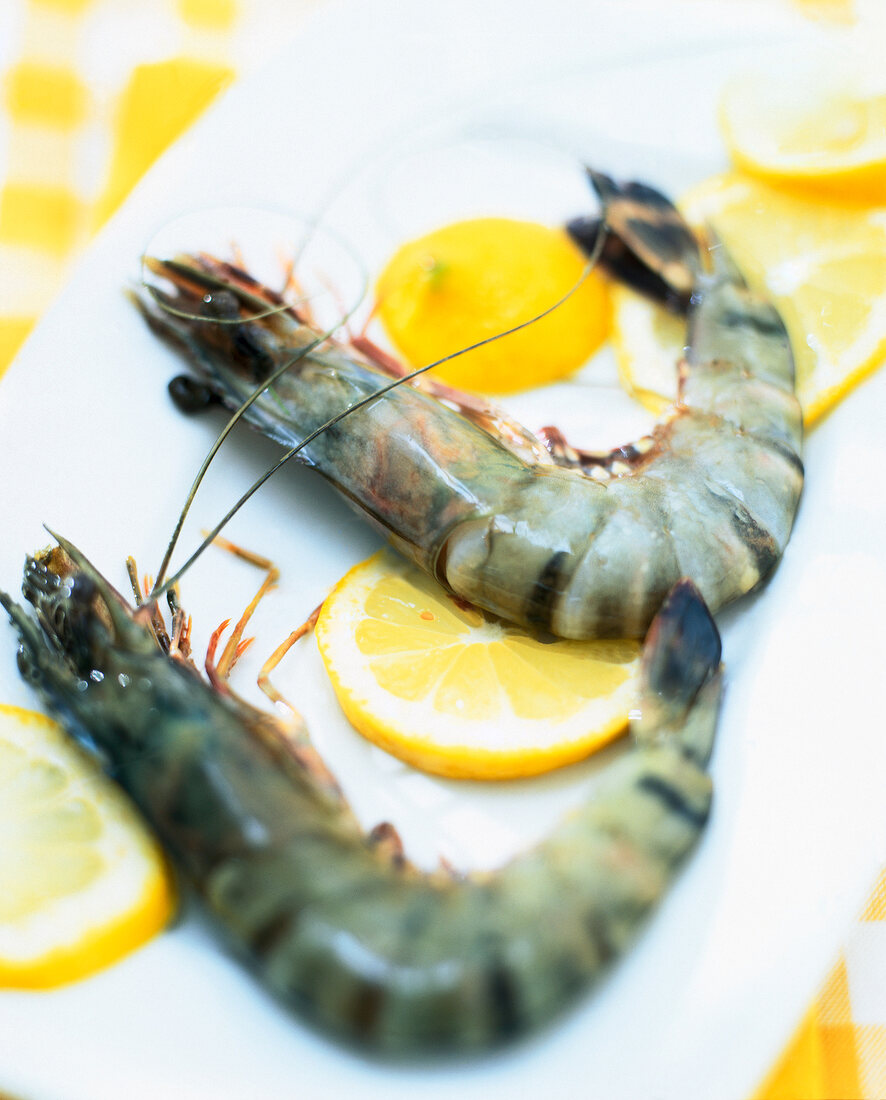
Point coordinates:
[(341, 928), (524, 527)]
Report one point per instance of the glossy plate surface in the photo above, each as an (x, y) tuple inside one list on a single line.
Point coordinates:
[(93, 447)]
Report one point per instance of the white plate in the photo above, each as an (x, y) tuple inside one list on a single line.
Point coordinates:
[(92, 446)]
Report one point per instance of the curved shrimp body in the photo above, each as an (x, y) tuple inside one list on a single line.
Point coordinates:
[(581, 550), (359, 942)]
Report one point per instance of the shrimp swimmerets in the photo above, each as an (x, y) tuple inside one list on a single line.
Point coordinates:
[(340, 927), (539, 535)]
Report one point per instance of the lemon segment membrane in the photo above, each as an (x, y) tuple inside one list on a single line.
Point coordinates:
[(822, 132), (456, 693), (823, 264), (81, 881)]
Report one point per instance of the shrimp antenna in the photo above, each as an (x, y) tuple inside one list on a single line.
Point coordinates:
[(160, 589), (208, 282)]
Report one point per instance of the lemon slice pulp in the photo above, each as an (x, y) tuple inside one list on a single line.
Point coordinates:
[(815, 132), (455, 693), (822, 264), (474, 279), (81, 881)]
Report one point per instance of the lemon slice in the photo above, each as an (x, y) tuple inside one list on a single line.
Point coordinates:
[(811, 132), (828, 11), (474, 279), (455, 693), (81, 882), (648, 342), (822, 264)]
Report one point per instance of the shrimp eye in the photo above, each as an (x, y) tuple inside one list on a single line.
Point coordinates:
[(83, 589), (189, 395), (221, 305)]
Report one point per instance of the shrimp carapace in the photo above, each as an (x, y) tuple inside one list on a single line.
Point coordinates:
[(541, 535), (335, 922)]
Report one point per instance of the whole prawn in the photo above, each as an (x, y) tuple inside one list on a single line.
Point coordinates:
[(526, 527), (340, 927)]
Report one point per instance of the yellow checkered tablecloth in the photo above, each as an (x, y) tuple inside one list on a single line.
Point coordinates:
[(92, 92), (838, 1052)]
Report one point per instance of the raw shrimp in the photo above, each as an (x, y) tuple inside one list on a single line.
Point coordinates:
[(335, 922), (581, 546)]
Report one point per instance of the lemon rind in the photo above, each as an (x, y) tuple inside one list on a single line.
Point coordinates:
[(78, 934), (486, 751)]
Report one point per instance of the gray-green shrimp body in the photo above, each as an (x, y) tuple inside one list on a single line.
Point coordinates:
[(578, 546), (353, 938)]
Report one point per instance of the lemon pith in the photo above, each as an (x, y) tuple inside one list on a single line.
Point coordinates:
[(474, 279), (81, 882), (457, 694)]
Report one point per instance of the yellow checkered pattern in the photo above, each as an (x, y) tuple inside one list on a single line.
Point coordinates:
[(838, 1052), (92, 92)]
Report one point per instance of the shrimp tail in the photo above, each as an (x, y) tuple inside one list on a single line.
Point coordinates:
[(648, 245), (681, 672)]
